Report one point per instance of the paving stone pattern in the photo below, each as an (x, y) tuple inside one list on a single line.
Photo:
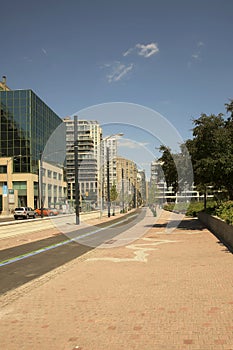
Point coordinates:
[(177, 295)]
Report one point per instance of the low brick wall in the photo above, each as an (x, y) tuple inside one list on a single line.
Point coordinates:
[(219, 228)]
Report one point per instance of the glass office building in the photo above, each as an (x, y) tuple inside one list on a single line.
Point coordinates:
[(25, 127), (27, 130)]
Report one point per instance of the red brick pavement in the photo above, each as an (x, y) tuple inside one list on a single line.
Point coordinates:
[(164, 291)]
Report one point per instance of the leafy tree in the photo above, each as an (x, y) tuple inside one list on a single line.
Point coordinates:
[(113, 195), (169, 167), (209, 151), (229, 107), (177, 168), (228, 171)]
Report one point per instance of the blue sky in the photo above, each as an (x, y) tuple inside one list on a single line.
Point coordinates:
[(175, 57)]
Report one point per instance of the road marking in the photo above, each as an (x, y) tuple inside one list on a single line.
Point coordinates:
[(140, 251), (42, 250)]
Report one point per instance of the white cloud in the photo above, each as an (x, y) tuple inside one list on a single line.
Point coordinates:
[(27, 59), (131, 144), (126, 53), (44, 51), (118, 71), (146, 51), (196, 56)]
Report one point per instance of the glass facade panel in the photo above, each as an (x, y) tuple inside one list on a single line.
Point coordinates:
[(25, 126)]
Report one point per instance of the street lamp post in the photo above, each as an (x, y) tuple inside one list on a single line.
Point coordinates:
[(76, 165), (123, 190), (41, 202), (7, 183), (108, 184)]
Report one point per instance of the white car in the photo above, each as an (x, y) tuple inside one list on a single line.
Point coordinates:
[(24, 213)]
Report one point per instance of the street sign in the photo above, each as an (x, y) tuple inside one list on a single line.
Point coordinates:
[(11, 196), (4, 190)]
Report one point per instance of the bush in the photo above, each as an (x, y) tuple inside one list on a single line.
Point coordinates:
[(193, 208), (169, 207), (225, 212)]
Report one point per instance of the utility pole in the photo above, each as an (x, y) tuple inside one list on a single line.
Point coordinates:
[(108, 184), (123, 190), (41, 204), (76, 166)]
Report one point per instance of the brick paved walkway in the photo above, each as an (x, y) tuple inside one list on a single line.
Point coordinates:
[(164, 291)]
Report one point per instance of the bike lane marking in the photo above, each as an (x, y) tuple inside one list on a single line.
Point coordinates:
[(53, 246)]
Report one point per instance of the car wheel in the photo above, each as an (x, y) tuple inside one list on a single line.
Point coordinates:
[(51, 214), (33, 216), (27, 217), (16, 217)]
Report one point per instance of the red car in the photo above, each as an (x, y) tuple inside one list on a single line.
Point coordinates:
[(47, 212)]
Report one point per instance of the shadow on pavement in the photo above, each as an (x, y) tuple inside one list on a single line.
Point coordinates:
[(227, 248), (187, 224)]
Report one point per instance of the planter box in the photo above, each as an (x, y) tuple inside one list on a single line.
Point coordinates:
[(219, 228)]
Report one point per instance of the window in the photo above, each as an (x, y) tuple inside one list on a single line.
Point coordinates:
[(20, 185), (3, 169), (60, 191), (49, 190), (49, 173)]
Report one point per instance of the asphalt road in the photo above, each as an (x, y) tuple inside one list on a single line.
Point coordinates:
[(21, 264)]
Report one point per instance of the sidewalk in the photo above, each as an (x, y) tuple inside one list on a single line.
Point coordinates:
[(166, 290)]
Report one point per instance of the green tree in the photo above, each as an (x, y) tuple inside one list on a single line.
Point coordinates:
[(113, 193), (209, 152), (113, 196), (228, 173), (177, 168), (169, 167)]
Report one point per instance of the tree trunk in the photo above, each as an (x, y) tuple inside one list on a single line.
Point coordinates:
[(205, 199), (230, 193)]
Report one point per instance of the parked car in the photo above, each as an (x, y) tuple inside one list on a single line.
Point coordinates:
[(24, 213), (47, 212)]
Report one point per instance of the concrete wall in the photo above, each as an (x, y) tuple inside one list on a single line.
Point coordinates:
[(219, 228)]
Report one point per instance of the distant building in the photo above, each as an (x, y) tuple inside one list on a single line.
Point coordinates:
[(157, 174), (89, 155), (109, 143), (54, 189), (142, 185), (160, 193), (126, 175)]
